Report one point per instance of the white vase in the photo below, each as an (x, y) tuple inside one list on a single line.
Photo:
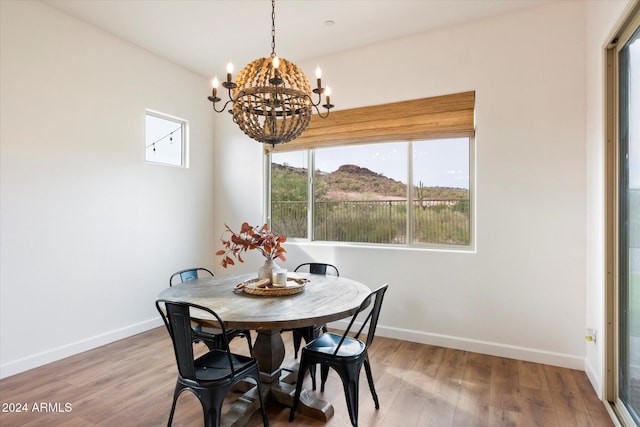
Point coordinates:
[(266, 270)]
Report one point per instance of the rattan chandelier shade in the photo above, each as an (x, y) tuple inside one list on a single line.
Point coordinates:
[(272, 114), (271, 97)]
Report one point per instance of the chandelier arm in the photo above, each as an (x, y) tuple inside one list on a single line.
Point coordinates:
[(223, 108), (316, 104), (231, 99), (320, 113)]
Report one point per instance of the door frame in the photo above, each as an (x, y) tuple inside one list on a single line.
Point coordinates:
[(612, 197)]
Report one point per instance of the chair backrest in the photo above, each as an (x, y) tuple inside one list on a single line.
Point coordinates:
[(188, 274), (177, 318), (319, 268), (371, 319)]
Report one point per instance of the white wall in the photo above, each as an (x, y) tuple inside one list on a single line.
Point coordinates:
[(602, 17), (522, 293), (84, 245), (90, 233)]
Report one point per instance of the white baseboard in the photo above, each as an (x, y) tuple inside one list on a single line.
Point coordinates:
[(477, 346), (595, 380), (466, 344), (33, 361)]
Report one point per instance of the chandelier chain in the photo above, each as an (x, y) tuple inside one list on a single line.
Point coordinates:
[(273, 28)]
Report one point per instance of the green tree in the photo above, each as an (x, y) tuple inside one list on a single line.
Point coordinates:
[(288, 184)]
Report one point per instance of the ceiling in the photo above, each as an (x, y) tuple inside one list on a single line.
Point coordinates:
[(204, 35)]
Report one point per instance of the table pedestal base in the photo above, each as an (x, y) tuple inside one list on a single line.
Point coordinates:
[(278, 385)]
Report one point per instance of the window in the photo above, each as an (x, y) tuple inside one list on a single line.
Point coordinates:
[(166, 139), (360, 193), (397, 173), (441, 192)]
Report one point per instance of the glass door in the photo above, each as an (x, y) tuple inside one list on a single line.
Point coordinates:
[(628, 393)]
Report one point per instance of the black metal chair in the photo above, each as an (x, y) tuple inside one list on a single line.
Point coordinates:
[(318, 268), (345, 355), (211, 376), (210, 336), (188, 274), (311, 332)]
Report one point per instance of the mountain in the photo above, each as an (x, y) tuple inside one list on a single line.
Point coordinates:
[(352, 182)]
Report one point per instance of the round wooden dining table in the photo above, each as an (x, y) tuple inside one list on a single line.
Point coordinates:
[(324, 299)]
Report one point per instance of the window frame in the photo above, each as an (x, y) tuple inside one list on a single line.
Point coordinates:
[(410, 243), (184, 138), (613, 189)]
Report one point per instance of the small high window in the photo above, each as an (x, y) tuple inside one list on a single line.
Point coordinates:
[(166, 139)]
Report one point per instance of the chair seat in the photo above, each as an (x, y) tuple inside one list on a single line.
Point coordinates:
[(214, 366), (327, 343)]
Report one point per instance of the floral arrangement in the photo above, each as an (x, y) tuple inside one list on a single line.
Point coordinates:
[(259, 237)]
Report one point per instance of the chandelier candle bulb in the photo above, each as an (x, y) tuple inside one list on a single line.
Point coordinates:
[(276, 62), (328, 96), (229, 71), (319, 76), (214, 84)]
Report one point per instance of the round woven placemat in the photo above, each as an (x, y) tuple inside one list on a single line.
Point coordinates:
[(293, 287)]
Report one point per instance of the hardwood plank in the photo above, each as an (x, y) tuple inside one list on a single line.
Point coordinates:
[(131, 382), (570, 409), (440, 406), (430, 359), (561, 380), (538, 408), (596, 409), (499, 417), (532, 375), (475, 392), (505, 394), (401, 410)]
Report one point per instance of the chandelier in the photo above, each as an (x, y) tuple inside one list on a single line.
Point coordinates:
[(271, 97)]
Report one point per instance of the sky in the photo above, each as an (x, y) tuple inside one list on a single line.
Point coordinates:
[(443, 162)]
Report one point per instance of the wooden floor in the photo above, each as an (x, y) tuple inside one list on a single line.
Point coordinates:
[(130, 383)]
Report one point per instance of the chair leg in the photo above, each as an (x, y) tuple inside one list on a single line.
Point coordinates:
[(297, 341), (296, 398), (308, 334), (312, 373), (176, 394), (247, 335), (350, 377), (265, 420), (211, 401), (314, 332), (212, 418), (324, 373), (367, 369)]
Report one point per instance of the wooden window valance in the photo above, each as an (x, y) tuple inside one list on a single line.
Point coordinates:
[(445, 116)]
